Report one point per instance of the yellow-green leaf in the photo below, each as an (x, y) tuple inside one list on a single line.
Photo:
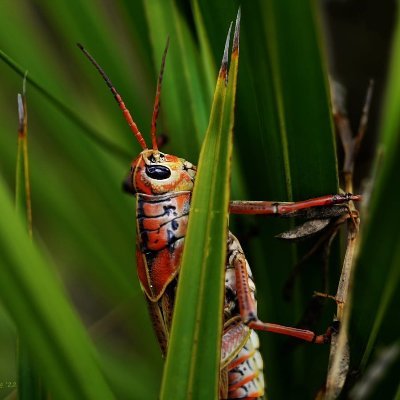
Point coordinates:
[(192, 365)]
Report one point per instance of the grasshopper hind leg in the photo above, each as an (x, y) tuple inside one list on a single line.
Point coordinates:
[(241, 362), (245, 290)]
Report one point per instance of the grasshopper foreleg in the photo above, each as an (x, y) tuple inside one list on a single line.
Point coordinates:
[(290, 208)]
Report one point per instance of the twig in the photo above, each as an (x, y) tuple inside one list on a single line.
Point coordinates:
[(340, 354)]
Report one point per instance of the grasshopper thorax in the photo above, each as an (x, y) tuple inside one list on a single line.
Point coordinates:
[(156, 173)]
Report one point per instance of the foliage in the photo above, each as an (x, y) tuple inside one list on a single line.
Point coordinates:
[(82, 260)]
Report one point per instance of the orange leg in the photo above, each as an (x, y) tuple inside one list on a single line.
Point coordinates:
[(282, 208), (248, 310)]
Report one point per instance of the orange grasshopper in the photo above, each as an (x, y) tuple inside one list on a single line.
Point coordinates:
[(163, 184)]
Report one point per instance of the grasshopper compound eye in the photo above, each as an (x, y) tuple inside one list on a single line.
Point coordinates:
[(158, 172)]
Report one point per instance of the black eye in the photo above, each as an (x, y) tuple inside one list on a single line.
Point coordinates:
[(158, 172), (152, 159)]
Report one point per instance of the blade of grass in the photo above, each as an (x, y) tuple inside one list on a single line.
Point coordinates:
[(56, 127), (45, 321), (207, 58), (378, 266), (29, 383), (186, 111), (23, 137), (308, 123), (286, 150), (378, 263), (192, 365), (376, 287), (377, 371), (67, 111), (305, 142)]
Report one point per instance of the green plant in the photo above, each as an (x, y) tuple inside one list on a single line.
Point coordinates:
[(284, 149)]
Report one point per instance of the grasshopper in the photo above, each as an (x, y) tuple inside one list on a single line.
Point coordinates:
[(163, 184)]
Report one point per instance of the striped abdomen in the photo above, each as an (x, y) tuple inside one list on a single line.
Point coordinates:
[(245, 372), (245, 379)]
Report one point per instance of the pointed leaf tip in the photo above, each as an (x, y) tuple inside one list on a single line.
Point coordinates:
[(235, 47), (223, 72), (20, 113)]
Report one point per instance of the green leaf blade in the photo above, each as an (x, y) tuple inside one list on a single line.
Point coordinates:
[(60, 347), (302, 84), (192, 366), (186, 112), (377, 281)]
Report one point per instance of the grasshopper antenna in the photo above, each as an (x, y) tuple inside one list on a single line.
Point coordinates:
[(118, 98), (157, 99)]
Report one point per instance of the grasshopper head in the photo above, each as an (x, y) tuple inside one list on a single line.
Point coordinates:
[(155, 173)]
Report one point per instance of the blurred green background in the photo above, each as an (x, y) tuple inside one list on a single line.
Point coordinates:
[(84, 225)]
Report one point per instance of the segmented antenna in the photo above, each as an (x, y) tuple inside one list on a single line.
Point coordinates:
[(157, 99), (118, 98)]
